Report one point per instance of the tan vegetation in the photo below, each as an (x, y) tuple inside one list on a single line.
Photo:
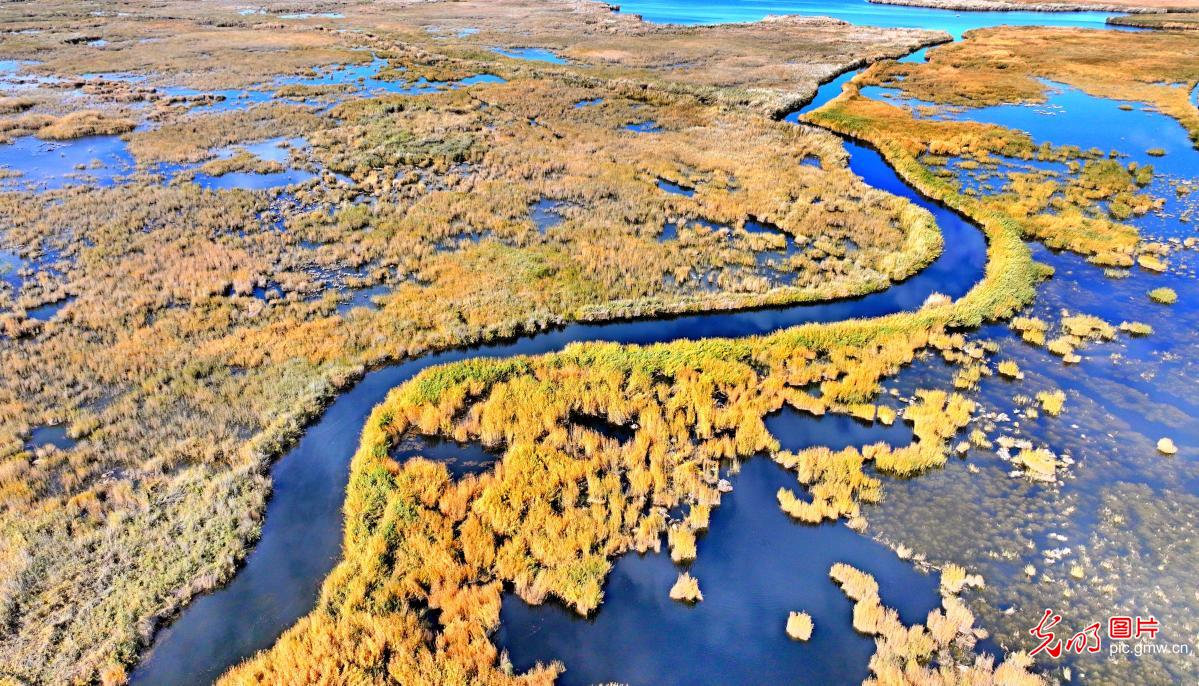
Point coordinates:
[(1010, 369), (925, 654), (1006, 64), (1163, 295), (182, 385), (1063, 213), (686, 589), (1031, 329), (1039, 463), (1052, 401), (1136, 328), (772, 66), (85, 123), (1174, 21), (799, 626)]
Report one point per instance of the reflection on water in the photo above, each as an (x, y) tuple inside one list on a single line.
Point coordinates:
[(648, 126), (754, 566), (44, 436), (95, 160), (797, 431), (547, 214), (675, 188), (45, 313), (459, 458), (31, 163)]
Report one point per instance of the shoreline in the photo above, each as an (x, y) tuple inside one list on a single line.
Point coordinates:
[(1156, 22)]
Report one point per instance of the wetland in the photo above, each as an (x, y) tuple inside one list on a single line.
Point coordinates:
[(443, 342)]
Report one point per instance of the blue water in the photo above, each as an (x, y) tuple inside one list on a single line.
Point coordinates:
[(45, 313), (797, 431), (362, 298), (14, 78), (47, 165), (754, 566), (531, 54), (252, 181), (824, 94), (10, 266), (546, 214), (1071, 117), (588, 103), (105, 160), (313, 15), (364, 80), (459, 458), (675, 188), (272, 150), (44, 436), (648, 126), (853, 11), (230, 99)]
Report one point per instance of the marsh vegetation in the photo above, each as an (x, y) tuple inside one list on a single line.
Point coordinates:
[(449, 195)]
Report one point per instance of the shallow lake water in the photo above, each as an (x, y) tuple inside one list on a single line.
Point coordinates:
[(46, 165), (755, 565), (532, 55), (853, 11)]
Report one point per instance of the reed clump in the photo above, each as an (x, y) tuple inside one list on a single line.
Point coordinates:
[(799, 626), (1052, 402), (1163, 296), (926, 653), (686, 589), (84, 123)]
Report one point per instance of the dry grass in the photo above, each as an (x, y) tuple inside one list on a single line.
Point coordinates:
[(1173, 21), (799, 626), (1163, 296), (924, 655), (85, 123), (686, 589), (1052, 401)]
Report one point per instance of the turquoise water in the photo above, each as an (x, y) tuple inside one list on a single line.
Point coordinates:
[(853, 11), (531, 55)]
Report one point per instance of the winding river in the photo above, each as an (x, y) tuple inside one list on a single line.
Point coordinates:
[(302, 531)]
